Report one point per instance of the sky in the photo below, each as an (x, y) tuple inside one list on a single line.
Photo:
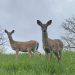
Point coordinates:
[(22, 16)]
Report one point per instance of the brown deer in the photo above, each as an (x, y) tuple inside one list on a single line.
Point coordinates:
[(50, 45), (29, 46)]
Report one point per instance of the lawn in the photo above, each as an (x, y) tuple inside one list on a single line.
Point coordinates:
[(37, 65)]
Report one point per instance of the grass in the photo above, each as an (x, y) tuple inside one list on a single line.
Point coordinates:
[(37, 65)]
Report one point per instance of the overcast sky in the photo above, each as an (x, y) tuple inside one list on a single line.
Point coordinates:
[(21, 15)]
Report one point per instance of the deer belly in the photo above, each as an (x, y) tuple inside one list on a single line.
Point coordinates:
[(23, 49)]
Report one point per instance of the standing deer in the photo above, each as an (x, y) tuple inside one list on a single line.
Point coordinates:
[(28, 46), (50, 45)]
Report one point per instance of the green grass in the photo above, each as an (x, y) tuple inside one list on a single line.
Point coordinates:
[(37, 65)]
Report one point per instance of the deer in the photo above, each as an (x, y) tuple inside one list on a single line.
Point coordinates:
[(50, 45), (28, 46)]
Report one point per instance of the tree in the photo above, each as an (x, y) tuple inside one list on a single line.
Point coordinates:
[(69, 28), (2, 40)]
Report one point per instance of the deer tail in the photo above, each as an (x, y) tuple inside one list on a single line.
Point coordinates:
[(37, 45)]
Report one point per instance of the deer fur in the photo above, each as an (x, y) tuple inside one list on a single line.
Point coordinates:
[(29, 46), (50, 45)]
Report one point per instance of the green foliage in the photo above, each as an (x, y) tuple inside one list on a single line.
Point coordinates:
[(37, 65)]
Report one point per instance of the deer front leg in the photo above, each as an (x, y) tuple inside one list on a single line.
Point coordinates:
[(48, 53), (17, 53), (48, 56)]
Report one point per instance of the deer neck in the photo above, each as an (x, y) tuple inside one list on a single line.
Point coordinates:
[(45, 39), (11, 39)]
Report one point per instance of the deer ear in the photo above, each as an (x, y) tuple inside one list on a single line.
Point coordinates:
[(49, 22), (39, 22), (6, 31), (12, 31)]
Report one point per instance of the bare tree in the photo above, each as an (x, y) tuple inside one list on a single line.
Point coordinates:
[(2, 40), (69, 28)]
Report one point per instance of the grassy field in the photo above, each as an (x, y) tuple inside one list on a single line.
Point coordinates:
[(38, 65)]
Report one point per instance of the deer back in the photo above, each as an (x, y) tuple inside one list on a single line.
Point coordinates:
[(24, 45), (56, 44)]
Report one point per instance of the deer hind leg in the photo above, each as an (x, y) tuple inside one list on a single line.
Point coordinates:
[(39, 53), (57, 55), (36, 52), (17, 53), (30, 53)]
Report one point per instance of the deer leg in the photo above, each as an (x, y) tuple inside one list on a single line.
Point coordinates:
[(48, 56), (17, 53), (30, 53), (57, 55), (38, 52)]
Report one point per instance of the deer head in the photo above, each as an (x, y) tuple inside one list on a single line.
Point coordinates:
[(44, 26), (9, 33)]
